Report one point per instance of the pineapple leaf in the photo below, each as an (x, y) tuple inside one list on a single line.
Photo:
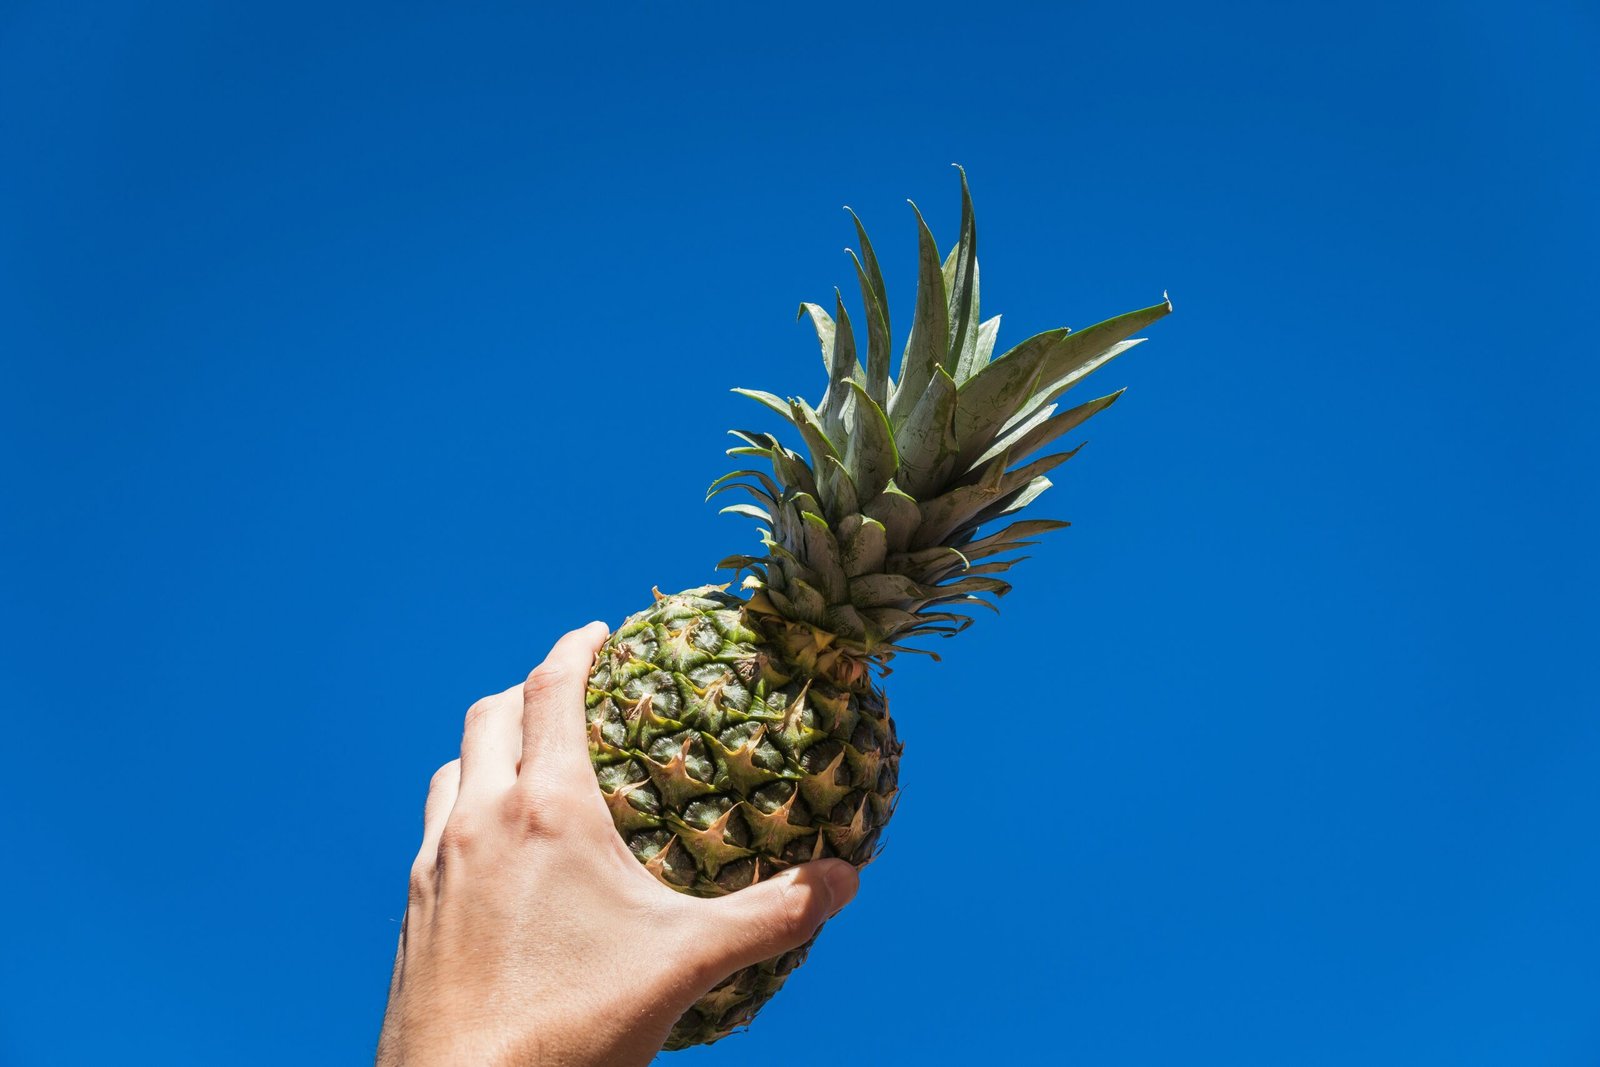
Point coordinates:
[(891, 620), (993, 394), (963, 292), (964, 600), (762, 442), (1014, 430), (773, 492), (924, 560), (870, 453), (781, 602), (839, 495), (1082, 352), (899, 514), (930, 623), (1052, 388), (988, 333), (909, 650), (809, 424), (792, 471), (800, 503), (884, 590), (996, 392), (809, 605), (761, 497), (747, 510), (846, 527), (767, 399), (945, 514), (789, 468), (845, 621), (999, 566), (822, 556), (930, 565), (837, 400), (1014, 535), (877, 376), (792, 567), (1008, 479), (978, 585), (928, 439), (1033, 435), (874, 275), (824, 325), (1074, 359), (864, 549), (1011, 502), (786, 528), (930, 329)]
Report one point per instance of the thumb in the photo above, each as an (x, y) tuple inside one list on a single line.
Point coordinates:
[(771, 917)]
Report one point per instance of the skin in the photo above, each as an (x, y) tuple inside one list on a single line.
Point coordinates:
[(532, 935)]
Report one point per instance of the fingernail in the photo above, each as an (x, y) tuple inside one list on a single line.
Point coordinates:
[(842, 882)]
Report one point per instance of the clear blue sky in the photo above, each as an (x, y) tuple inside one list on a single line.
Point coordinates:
[(350, 354)]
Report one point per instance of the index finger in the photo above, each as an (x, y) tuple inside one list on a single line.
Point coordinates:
[(553, 737)]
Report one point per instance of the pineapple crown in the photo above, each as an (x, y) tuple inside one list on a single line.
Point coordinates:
[(880, 536)]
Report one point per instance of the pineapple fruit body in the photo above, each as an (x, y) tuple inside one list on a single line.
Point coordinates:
[(724, 761), (734, 737)]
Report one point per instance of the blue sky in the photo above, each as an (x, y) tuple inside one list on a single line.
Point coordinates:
[(352, 353)]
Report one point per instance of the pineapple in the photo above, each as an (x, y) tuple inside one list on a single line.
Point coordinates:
[(734, 736)]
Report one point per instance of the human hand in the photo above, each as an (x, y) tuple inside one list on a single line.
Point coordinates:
[(532, 935)]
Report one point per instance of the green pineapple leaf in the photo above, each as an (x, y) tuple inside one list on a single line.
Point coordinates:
[(988, 333), (993, 394), (1032, 436), (877, 369), (838, 492), (864, 549), (899, 514), (874, 275), (870, 453), (963, 292), (928, 446), (930, 329), (837, 400), (825, 327)]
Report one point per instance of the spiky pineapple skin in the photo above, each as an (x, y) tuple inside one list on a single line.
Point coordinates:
[(724, 761)]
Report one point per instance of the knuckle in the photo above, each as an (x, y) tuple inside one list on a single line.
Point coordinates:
[(421, 883), (479, 708), (546, 678), (548, 808), (458, 836), (519, 805), (444, 775), (795, 910), (535, 810)]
